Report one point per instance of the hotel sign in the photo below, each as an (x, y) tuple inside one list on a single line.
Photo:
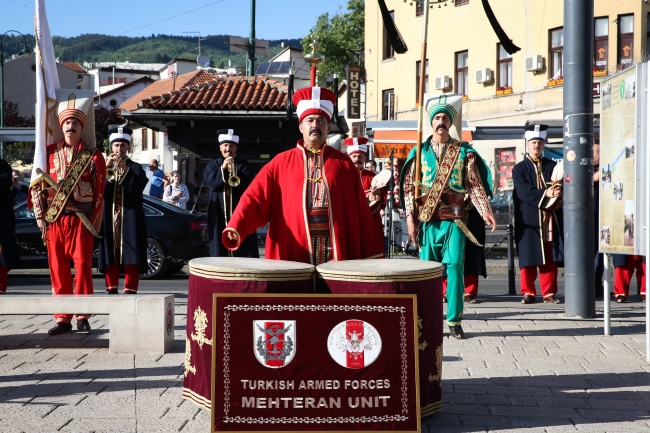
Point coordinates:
[(354, 92)]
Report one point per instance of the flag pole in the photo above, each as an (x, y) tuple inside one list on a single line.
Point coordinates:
[(423, 61)]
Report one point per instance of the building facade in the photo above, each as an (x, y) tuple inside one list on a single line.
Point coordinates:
[(464, 57)]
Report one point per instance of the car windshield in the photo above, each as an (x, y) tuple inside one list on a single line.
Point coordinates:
[(502, 196), (21, 211), (159, 202)]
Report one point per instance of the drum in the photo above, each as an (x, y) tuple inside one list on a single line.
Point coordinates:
[(210, 275), (418, 277)]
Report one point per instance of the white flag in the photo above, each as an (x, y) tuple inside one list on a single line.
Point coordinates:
[(47, 82)]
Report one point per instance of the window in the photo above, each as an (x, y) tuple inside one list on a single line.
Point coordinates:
[(145, 137), (417, 79), (557, 45), (460, 2), (461, 72), (625, 41), (601, 46), (419, 9), (505, 68), (388, 104), (388, 52), (505, 161), (154, 142)]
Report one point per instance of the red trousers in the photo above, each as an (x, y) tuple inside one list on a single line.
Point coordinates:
[(68, 239), (4, 278), (471, 285), (131, 277), (547, 275), (623, 276)]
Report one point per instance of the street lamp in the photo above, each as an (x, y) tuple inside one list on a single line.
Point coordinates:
[(2, 83)]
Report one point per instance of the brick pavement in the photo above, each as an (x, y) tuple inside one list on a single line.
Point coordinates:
[(522, 369)]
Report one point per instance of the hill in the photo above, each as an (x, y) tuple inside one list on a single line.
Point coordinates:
[(153, 49)]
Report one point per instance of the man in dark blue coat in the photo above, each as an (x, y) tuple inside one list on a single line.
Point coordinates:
[(227, 177), (123, 245), (539, 227), (9, 253)]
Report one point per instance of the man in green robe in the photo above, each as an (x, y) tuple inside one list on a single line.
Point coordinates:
[(436, 226)]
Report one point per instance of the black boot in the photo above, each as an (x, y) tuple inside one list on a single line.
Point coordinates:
[(456, 331), (60, 328), (83, 325)]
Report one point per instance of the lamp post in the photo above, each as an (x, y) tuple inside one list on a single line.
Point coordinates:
[(2, 85)]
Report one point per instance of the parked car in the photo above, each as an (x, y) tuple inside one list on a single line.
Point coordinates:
[(501, 203), (171, 231)]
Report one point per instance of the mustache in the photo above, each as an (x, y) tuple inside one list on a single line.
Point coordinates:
[(441, 126), (71, 130), (316, 130)]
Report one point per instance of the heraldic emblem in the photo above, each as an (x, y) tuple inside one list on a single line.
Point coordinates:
[(274, 342), (354, 344)]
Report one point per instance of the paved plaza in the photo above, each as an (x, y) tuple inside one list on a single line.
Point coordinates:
[(523, 368)]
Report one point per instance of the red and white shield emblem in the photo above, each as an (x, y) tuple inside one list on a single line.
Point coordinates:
[(354, 344), (274, 342)]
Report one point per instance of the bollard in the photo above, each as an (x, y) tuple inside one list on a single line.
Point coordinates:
[(511, 259)]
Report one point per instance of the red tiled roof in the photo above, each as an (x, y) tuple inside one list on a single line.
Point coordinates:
[(74, 66), (165, 86), (228, 93)]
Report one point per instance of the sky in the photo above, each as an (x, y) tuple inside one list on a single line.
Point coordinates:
[(277, 19)]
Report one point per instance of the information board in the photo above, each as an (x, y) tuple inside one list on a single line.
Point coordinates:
[(315, 363), (622, 152)]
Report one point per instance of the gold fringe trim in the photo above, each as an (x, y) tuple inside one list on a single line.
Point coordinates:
[(430, 409), (197, 399)]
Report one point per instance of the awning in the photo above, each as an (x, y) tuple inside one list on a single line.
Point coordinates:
[(400, 139)]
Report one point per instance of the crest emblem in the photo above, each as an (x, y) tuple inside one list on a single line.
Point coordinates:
[(274, 342), (354, 344)]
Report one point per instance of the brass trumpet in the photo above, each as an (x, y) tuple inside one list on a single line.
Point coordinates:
[(233, 180), (112, 174)]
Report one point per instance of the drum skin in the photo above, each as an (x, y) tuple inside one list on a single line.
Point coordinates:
[(210, 275), (422, 278)]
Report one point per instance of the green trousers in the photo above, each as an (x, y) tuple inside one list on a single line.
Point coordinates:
[(444, 242)]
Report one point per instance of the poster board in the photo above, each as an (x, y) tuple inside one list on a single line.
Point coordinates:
[(315, 363), (622, 169)]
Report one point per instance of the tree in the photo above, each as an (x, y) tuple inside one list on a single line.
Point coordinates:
[(103, 118), (341, 39), (18, 151)]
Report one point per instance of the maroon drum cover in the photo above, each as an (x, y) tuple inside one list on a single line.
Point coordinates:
[(418, 277), (209, 275)]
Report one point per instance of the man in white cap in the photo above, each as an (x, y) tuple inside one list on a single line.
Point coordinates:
[(227, 177), (123, 247), (539, 231), (310, 196), (68, 202), (450, 171), (357, 148)]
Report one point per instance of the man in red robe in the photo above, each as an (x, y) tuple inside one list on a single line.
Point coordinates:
[(310, 196), (357, 148), (69, 213)]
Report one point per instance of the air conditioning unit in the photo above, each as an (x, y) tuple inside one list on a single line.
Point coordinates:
[(534, 63), (442, 82), (483, 75)]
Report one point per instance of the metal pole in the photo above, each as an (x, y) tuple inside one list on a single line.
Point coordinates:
[(423, 60), (251, 43), (578, 169), (390, 203), (606, 300), (2, 96), (646, 234), (511, 259)]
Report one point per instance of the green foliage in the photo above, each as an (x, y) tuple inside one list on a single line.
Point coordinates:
[(341, 39), (17, 151), (153, 49), (103, 118)]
